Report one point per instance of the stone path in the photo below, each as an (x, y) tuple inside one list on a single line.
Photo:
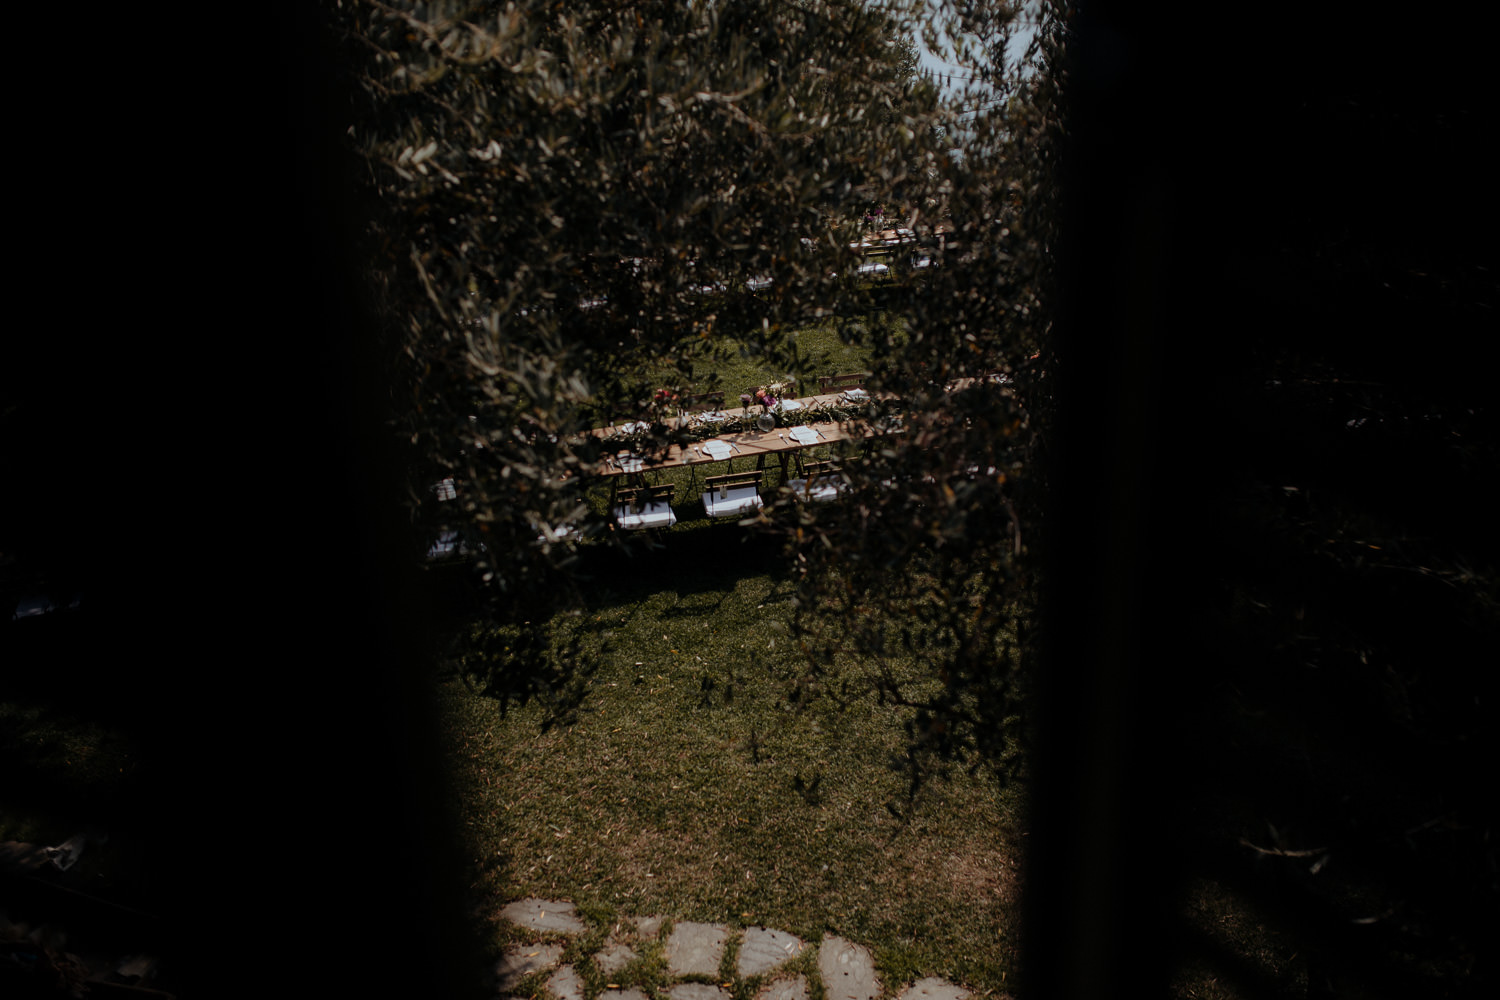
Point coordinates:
[(695, 965)]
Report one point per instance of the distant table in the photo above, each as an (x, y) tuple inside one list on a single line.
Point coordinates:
[(780, 442)]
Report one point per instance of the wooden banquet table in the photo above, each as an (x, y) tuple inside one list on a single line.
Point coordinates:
[(780, 442)]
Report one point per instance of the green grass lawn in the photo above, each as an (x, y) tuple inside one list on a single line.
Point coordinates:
[(687, 786), (733, 364)]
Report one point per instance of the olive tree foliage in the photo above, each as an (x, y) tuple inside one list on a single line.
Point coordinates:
[(931, 564), (568, 195)]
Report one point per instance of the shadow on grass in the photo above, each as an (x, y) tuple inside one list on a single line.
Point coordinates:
[(699, 558)]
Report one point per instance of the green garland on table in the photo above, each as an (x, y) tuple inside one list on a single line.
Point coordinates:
[(743, 423), (824, 413)]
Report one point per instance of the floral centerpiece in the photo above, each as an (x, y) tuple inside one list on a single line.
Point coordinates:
[(769, 395)]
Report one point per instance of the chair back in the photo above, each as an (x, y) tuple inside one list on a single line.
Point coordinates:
[(812, 470), (710, 401), (852, 380), (637, 497), (732, 481)]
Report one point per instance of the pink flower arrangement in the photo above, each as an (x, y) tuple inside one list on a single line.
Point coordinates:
[(770, 395)]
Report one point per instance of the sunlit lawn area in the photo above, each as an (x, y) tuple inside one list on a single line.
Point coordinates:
[(727, 364)]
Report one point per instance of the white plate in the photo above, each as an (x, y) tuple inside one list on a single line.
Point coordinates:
[(804, 435), (718, 450), (789, 404), (853, 394)]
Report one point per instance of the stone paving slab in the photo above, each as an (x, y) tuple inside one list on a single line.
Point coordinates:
[(695, 949), (785, 989), (848, 970), (566, 984), (521, 960), (933, 989), (631, 994), (764, 949), (614, 958), (696, 991), (548, 915)]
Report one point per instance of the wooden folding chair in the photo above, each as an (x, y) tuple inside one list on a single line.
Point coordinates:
[(734, 495), (641, 507), (819, 482)]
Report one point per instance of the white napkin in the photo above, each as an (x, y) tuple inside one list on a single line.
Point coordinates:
[(789, 404), (716, 449), (804, 435)]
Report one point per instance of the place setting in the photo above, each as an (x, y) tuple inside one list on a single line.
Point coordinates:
[(710, 417), (716, 450)]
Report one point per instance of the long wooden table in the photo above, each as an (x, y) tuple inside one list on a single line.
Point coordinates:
[(780, 442)]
